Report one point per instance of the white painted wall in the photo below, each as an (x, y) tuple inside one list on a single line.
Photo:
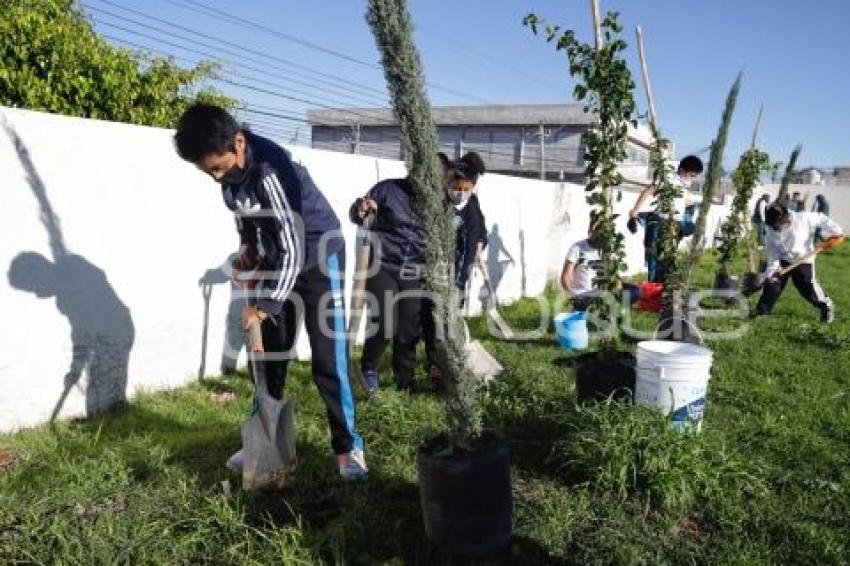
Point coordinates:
[(153, 225), (838, 197)]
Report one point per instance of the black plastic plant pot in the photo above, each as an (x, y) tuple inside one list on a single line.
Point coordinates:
[(600, 375), (467, 503), (725, 282)]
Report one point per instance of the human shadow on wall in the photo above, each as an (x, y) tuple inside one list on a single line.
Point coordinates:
[(102, 331), (233, 336), (523, 278), (496, 266)]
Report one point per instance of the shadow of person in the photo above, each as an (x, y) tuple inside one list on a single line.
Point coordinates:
[(102, 331), (233, 335), (524, 273), (496, 266)]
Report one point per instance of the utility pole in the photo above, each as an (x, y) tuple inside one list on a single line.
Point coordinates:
[(355, 146), (459, 145), (541, 134), (521, 147)]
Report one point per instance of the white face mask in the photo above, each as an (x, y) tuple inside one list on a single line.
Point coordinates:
[(459, 198)]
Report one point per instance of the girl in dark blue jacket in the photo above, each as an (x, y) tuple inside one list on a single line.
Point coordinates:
[(394, 286)]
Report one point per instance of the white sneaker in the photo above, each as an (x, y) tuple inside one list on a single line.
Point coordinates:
[(352, 466), (234, 463)]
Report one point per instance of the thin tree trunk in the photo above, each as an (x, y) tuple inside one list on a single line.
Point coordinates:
[(391, 25)]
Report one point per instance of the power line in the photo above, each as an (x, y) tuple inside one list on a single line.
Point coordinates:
[(494, 61), (172, 35), (245, 22), (218, 14), (250, 87), (211, 55), (269, 110), (351, 85), (390, 153)]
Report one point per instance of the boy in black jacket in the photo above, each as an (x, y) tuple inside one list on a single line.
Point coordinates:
[(282, 217)]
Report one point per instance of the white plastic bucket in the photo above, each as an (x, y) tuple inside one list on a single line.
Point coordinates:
[(673, 377)]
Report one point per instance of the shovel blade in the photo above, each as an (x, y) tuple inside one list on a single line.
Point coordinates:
[(481, 362), (268, 452)]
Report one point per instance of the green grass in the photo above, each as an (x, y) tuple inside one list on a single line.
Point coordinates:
[(767, 481)]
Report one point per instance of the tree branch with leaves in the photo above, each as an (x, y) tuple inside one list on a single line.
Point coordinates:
[(52, 60), (745, 178), (606, 88)]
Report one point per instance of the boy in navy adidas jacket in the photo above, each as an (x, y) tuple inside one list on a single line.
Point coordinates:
[(288, 230)]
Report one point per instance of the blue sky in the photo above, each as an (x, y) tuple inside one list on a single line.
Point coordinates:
[(795, 57)]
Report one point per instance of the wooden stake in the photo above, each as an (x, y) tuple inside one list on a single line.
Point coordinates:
[(597, 23), (653, 117), (756, 129)]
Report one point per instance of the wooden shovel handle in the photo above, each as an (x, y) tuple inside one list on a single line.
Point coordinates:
[(830, 243), (255, 338)]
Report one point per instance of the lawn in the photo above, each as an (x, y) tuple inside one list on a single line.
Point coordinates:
[(767, 480)]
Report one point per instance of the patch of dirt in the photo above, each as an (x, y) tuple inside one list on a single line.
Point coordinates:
[(224, 398), (8, 458), (689, 527)]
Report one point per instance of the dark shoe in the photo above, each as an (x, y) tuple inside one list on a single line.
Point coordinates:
[(435, 375), (406, 385), (370, 376)]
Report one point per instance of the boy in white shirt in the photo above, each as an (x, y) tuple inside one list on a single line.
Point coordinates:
[(581, 268), (689, 168), (790, 236)]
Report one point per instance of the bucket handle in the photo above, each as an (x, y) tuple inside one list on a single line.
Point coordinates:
[(672, 401), (697, 333), (672, 394)]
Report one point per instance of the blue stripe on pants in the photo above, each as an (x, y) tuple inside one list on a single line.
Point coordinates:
[(341, 351)]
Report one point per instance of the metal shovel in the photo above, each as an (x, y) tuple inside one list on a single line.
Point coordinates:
[(268, 436), (492, 311), (358, 296), (480, 362), (759, 283)]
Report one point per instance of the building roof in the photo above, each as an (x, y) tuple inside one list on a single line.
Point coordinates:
[(503, 115)]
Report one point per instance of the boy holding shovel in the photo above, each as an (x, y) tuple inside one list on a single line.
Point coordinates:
[(790, 239), (289, 232)]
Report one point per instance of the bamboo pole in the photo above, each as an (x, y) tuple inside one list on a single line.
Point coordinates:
[(597, 32), (653, 117), (597, 23), (756, 129)]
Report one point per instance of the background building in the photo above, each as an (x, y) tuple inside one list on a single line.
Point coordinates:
[(540, 141)]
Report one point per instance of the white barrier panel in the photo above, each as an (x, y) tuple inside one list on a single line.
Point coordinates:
[(107, 237)]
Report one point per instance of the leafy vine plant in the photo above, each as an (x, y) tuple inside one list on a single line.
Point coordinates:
[(606, 87), (745, 178), (666, 194)]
